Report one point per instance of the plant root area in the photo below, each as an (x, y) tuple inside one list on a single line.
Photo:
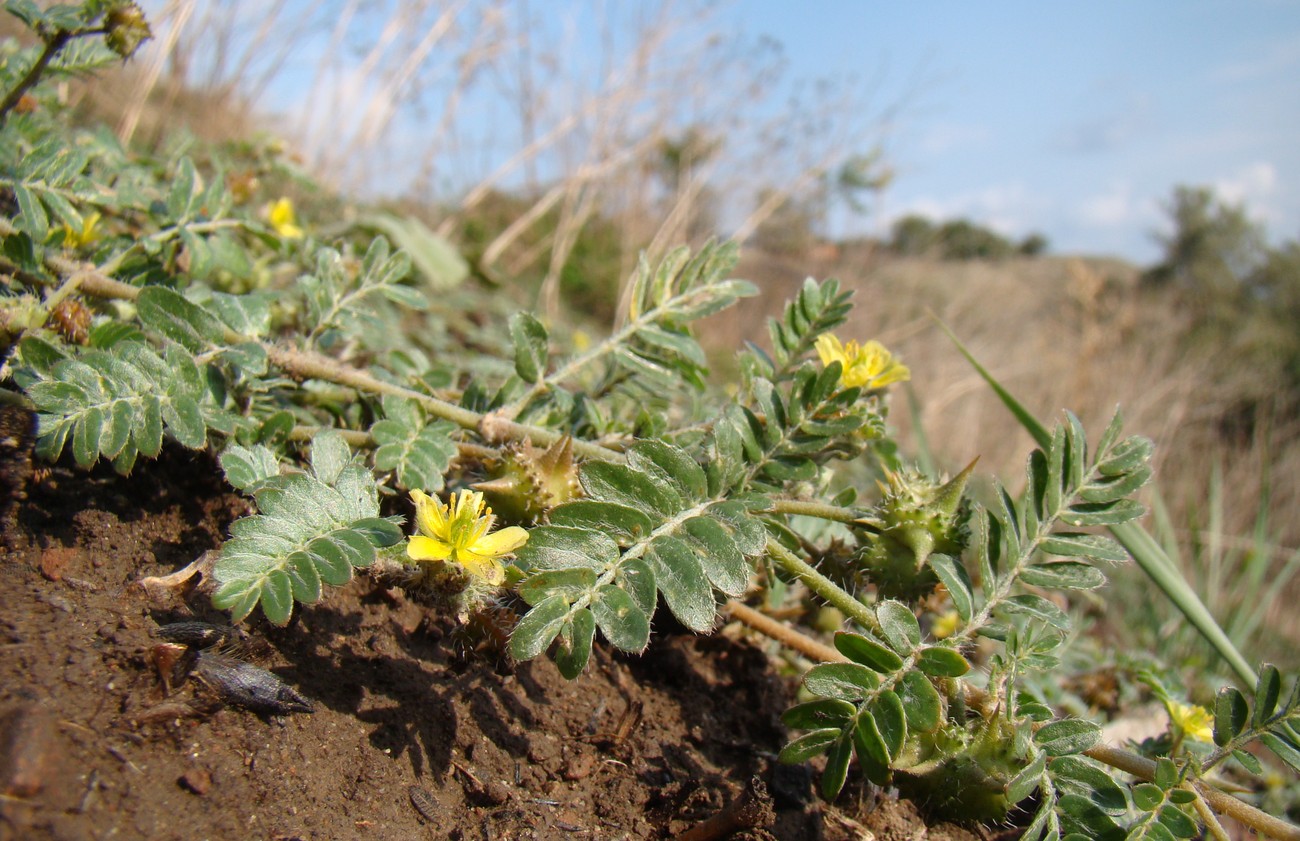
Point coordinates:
[(418, 731)]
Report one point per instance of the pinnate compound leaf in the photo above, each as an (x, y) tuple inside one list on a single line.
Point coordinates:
[(418, 451)]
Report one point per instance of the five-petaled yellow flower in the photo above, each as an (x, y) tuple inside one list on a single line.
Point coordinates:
[(1193, 720), (282, 218), (458, 532), (866, 366)]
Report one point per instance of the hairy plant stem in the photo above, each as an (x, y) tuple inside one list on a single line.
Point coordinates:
[(820, 510), (828, 590)]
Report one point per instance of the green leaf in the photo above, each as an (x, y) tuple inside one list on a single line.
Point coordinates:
[(672, 464), (682, 580), (1065, 575), (557, 547), (31, 215), (248, 467), (638, 580), (1083, 776), (845, 681), (938, 661), (921, 702), (873, 753), (1166, 775), (1103, 513), (723, 563), (186, 186), (1036, 607), (1028, 779), (620, 619), (1283, 748), (1068, 736), (837, 768), (1115, 487), (1248, 761), (532, 346), (570, 584), (1231, 712), (899, 625), (1126, 457), (1148, 796), (1173, 819), (815, 715), (180, 320), (534, 633), (574, 650), (891, 722), (1268, 689), (808, 746), (953, 575), (609, 482), (866, 651), (1083, 545), (420, 453), (625, 524)]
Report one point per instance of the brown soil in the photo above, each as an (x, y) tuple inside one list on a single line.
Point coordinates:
[(414, 735)]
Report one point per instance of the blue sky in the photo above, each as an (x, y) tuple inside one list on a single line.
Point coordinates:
[(1073, 119)]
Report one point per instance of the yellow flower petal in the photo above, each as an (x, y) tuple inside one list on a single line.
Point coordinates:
[(283, 220), (502, 542), (1193, 720), (421, 548)]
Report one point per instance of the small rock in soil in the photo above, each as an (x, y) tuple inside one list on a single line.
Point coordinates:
[(197, 781), (26, 750)]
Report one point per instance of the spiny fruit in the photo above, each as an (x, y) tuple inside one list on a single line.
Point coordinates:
[(965, 779), (531, 481), (916, 518)]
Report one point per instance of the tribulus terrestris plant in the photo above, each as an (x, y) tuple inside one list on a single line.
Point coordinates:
[(568, 491)]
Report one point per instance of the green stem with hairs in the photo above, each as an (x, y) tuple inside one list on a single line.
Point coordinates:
[(828, 590)]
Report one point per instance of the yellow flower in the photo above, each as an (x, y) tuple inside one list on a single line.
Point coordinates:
[(866, 366), (945, 625), (282, 218), (1193, 720), (88, 234), (457, 532)]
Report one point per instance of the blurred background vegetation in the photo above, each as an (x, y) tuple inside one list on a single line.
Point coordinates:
[(669, 135)]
